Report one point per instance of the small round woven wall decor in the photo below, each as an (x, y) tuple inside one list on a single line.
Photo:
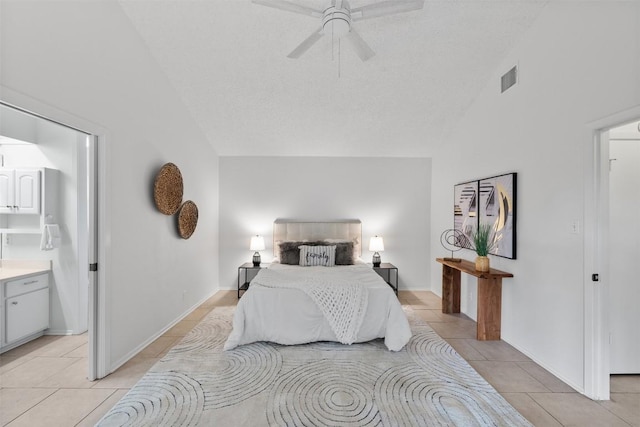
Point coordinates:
[(187, 219), (168, 189)]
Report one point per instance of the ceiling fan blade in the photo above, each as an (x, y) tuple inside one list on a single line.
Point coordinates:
[(359, 45), (306, 44), (384, 8), (290, 7)]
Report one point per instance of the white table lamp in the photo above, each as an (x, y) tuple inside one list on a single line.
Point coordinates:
[(376, 245), (257, 244)]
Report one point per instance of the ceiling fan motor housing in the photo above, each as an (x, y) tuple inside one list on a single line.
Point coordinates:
[(336, 19)]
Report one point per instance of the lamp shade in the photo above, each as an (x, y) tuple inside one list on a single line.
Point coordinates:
[(376, 244), (257, 243)]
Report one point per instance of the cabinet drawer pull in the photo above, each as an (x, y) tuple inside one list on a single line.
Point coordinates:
[(30, 282), (14, 302)]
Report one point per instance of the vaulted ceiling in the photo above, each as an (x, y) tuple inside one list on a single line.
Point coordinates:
[(227, 59)]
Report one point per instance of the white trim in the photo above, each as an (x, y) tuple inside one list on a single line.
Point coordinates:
[(124, 359), (596, 234), (38, 108)]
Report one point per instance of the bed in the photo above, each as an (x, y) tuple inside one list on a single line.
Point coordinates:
[(290, 304)]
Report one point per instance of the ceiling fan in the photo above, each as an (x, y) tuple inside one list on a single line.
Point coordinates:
[(337, 20)]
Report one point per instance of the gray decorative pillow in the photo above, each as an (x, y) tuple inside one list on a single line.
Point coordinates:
[(290, 251), (344, 253)]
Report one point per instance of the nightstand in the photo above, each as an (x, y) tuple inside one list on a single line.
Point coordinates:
[(246, 272), (389, 273)]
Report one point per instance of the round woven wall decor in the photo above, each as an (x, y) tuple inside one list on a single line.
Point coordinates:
[(168, 189), (187, 219)]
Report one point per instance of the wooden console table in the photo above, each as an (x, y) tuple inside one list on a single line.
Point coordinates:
[(489, 295)]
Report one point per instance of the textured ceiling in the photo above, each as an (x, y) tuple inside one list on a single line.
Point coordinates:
[(227, 60)]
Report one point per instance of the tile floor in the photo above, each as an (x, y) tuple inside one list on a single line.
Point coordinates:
[(43, 382)]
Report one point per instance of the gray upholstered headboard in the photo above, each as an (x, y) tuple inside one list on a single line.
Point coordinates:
[(287, 229)]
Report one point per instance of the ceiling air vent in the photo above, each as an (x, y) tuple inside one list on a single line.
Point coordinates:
[(509, 79)]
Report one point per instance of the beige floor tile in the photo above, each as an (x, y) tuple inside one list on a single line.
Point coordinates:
[(454, 329), (31, 346), (159, 347), (574, 409), (15, 401), (7, 363), (549, 380), (61, 345), (198, 314), (625, 406), (181, 329), (507, 377), (465, 349), (625, 384), (221, 298), (73, 376), (430, 315), (82, 351), (128, 374), (34, 371), (65, 407), (533, 412), (499, 350), (97, 414), (409, 296)]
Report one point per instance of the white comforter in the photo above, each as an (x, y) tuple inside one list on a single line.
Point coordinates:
[(290, 316)]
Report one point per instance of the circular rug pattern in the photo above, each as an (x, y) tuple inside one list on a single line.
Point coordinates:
[(210, 334), (325, 393), (172, 397), (408, 395), (240, 374)]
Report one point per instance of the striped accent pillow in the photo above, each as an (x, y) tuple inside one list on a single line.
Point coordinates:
[(317, 255)]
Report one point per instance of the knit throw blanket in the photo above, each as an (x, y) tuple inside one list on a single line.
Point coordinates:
[(342, 303)]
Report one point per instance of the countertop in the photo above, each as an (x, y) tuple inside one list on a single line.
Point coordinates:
[(12, 269), (14, 273)]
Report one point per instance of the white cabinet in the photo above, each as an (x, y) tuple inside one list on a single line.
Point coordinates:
[(20, 191), (28, 200), (25, 302)]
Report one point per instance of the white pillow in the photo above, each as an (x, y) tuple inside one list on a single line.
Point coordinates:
[(317, 255)]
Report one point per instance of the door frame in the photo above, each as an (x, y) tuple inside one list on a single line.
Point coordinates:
[(596, 249), (99, 361)]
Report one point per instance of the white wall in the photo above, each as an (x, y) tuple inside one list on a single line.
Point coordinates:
[(578, 63), (389, 195), (85, 59), (61, 149)]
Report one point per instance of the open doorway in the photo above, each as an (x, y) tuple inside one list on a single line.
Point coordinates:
[(624, 248), (59, 231), (598, 241)]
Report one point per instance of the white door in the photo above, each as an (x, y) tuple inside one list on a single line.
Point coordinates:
[(7, 187), (27, 191), (624, 244)]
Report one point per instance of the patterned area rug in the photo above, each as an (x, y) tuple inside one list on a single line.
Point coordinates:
[(320, 384)]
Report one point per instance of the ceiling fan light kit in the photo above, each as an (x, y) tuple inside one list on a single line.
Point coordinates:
[(337, 19)]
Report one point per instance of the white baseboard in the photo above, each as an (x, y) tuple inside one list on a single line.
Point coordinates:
[(154, 337)]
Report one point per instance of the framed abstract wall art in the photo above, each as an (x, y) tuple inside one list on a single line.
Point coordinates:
[(497, 207), (465, 212)]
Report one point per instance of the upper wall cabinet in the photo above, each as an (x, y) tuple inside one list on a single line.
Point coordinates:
[(20, 191), (28, 200)]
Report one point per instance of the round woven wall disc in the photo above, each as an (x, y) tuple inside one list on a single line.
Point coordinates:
[(168, 189), (187, 219)]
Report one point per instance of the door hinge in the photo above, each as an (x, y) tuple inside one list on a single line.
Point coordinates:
[(93, 267), (595, 277)]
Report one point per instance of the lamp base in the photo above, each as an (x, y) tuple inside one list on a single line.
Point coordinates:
[(256, 259), (376, 259)]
